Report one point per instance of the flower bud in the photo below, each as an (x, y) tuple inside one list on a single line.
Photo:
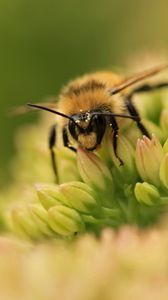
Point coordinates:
[(165, 147), (164, 121), (80, 197), (40, 217), (146, 193), (67, 170), (164, 171), (126, 154), (65, 221), (149, 154), (93, 170), (23, 224), (153, 128), (49, 195)]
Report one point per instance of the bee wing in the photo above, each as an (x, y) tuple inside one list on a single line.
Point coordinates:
[(50, 102), (137, 78)]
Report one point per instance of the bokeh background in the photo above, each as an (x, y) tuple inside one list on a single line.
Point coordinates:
[(43, 44)]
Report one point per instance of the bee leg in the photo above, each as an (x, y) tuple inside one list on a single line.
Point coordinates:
[(133, 112), (148, 88), (66, 140), (51, 143), (131, 108), (114, 126)]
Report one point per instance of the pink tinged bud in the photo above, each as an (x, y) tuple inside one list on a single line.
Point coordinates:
[(93, 170), (65, 221), (149, 154), (80, 197), (153, 128), (147, 193), (164, 171)]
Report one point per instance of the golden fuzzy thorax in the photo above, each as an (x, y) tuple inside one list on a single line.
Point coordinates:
[(91, 92)]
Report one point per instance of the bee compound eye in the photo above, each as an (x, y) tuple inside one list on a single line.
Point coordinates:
[(73, 129), (99, 126), (98, 121)]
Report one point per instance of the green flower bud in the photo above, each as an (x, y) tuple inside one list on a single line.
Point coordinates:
[(67, 170), (49, 195), (153, 128), (146, 193), (149, 154), (165, 147), (127, 154), (93, 170), (23, 224), (80, 197), (65, 221), (164, 121), (164, 171), (40, 217)]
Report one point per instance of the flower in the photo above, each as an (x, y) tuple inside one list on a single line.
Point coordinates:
[(40, 217), (74, 194), (164, 121), (126, 264), (149, 154), (93, 191), (126, 153), (65, 221), (92, 170), (164, 171), (80, 197), (165, 146), (68, 164), (147, 193), (106, 195), (49, 195), (21, 223)]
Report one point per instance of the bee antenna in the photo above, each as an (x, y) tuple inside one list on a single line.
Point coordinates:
[(116, 115), (136, 78), (52, 111)]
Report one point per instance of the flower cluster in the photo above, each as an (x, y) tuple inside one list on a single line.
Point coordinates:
[(93, 191), (117, 266)]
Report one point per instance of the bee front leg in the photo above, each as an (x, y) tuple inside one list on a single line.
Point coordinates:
[(114, 126), (66, 139), (51, 143), (131, 108), (150, 87), (133, 112)]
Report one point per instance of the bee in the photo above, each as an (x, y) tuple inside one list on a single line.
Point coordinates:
[(93, 103)]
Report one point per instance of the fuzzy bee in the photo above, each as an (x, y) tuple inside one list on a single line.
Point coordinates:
[(92, 103)]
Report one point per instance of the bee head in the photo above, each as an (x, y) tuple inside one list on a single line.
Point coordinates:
[(87, 129)]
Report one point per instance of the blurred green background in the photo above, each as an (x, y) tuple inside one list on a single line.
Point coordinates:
[(45, 43)]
